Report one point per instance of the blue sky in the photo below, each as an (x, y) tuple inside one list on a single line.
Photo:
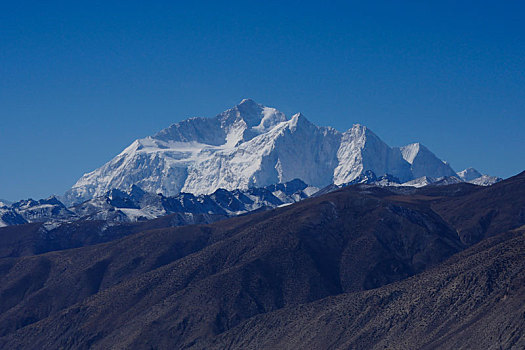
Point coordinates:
[(79, 81)]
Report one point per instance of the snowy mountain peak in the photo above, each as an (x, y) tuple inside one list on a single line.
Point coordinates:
[(469, 174), (253, 114), (425, 163), (486, 180), (359, 131), (251, 145), (473, 176), (248, 101), (300, 120), (359, 127)]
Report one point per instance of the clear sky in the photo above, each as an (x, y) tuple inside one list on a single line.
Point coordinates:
[(79, 81)]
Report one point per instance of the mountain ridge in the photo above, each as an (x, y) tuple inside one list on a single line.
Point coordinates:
[(363, 267), (251, 145)]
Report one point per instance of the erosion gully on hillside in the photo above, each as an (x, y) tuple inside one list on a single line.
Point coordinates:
[(361, 267)]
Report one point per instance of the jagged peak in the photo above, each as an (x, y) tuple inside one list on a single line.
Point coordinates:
[(360, 132), (248, 102), (253, 114), (469, 174), (247, 106), (359, 129), (247, 114), (297, 116), (298, 119)]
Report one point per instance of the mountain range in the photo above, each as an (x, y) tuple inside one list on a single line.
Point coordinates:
[(252, 230), (116, 206), (251, 145), (364, 266)]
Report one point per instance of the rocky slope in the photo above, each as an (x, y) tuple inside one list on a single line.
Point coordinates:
[(133, 205), (473, 301), (360, 267)]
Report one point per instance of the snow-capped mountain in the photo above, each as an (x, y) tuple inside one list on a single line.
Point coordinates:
[(485, 180), (424, 163), (136, 204), (8, 217), (31, 210), (116, 206), (251, 145), (468, 174), (473, 176)]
